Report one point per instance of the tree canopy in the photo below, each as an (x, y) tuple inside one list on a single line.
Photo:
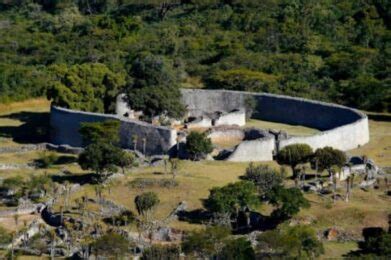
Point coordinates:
[(82, 52)]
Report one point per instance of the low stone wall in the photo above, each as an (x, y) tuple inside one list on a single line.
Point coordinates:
[(343, 128), (232, 118), (65, 125), (254, 150)]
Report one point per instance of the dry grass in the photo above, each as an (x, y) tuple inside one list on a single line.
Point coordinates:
[(197, 178), (33, 105), (379, 146), (290, 129)]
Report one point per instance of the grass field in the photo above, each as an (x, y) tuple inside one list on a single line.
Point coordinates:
[(290, 129), (18, 121)]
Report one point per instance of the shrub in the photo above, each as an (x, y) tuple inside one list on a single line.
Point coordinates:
[(198, 145), (264, 177)]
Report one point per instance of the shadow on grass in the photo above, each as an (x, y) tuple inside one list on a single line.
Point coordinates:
[(34, 128), (82, 179), (244, 224), (65, 159)]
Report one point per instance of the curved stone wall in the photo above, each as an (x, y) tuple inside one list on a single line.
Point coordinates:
[(65, 125), (343, 128)]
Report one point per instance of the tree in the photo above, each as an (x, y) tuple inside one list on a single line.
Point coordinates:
[(102, 158), (198, 145), (229, 200), (106, 131), (328, 157), (89, 87), (287, 200), (146, 202), (237, 249), (376, 241), (205, 243), (293, 155), (127, 160), (292, 242), (111, 244), (155, 88), (264, 177), (174, 166)]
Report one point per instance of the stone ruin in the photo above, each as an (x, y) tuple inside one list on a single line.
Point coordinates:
[(340, 127)]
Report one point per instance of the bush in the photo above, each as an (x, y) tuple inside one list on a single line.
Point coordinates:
[(237, 249), (264, 177), (198, 145), (291, 242)]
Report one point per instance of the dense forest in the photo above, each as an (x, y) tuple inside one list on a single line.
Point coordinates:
[(82, 53)]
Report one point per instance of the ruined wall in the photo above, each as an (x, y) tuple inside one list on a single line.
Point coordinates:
[(344, 128), (232, 118), (65, 125), (254, 150)]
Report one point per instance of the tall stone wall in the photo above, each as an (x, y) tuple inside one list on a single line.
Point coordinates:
[(343, 128), (65, 125)]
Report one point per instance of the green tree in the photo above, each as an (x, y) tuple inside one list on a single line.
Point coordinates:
[(146, 202), (296, 242), (264, 177), (205, 243), (287, 200), (237, 249), (155, 87), (376, 242), (102, 158), (111, 244), (229, 200), (327, 158), (198, 145), (293, 155), (89, 87)]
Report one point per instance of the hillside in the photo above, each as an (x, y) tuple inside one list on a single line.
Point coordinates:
[(330, 50)]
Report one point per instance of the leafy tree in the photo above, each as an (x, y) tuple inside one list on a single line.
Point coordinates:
[(106, 131), (102, 158), (89, 87), (198, 145), (155, 87), (111, 244), (127, 160), (145, 202), (296, 242), (237, 249), (293, 155), (327, 158), (288, 201), (232, 198), (264, 177), (376, 241), (205, 243), (244, 80)]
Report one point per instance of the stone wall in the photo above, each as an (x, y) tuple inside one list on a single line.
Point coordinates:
[(232, 118), (65, 125), (343, 128)]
